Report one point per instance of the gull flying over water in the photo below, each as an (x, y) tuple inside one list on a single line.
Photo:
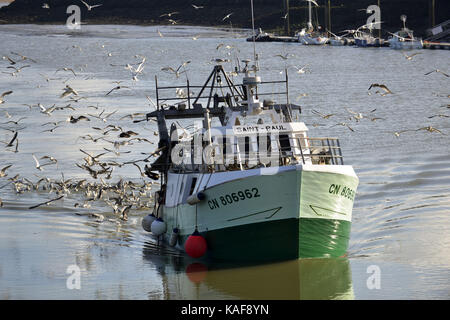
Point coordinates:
[(66, 69), (39, 166), (16, 70), (47, 111), (73, 119), (197, 7), (325, 116), (169, 14), (437, 71), (227, 16), (11, 142), (89, 7), (3, 171), (16, 122), (11, 61), (381, 86), (46, 203), (409, 57), (430, 129), (343, 124), (23, 57), (104, 119), (177, 71), (117, 88), (4, 94), (439, 115), (284, 57), (90, 159), (302, 69), (68, 91)]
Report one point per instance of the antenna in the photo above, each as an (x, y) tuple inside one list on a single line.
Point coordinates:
[(254, 35)]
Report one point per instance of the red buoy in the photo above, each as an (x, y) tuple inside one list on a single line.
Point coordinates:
[(196, 272), (195, 245)]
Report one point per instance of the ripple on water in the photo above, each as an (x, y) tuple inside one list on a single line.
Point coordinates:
[(405, 207)]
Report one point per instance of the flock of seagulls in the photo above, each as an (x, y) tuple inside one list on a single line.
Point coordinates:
[(380, 89), (122, 197), (357, 116)]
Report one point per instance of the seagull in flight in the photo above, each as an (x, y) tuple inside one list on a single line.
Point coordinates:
[(23, 57), (284, 57), (68, 91), (17, 70), (381, 86), (45, 203), (3, 171), (89, 7), (4, 94), (437, 71), (302, 69), (430, 129), (325, 116), (169, 14), (177, 71), (11, 142), (409, 57), (117, 88), (343, 124), (439, 115), (38, 165), (11, 61), (47, 111), (197, 7), (104, 119), (66, 69), (227, 16)]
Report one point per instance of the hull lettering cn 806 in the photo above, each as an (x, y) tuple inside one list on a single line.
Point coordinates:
[(233, 197), (343, 191)]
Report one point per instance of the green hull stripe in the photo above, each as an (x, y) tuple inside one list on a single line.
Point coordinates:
[(279, 240), (323, 238)]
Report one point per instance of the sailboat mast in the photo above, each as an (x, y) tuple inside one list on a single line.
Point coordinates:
[(253, 27), (379, 27), (329, 18), (309, 12)]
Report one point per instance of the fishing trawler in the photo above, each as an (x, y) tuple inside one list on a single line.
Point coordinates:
[(246, 177)]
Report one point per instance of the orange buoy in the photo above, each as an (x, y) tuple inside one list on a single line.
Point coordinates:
[(195, 245)]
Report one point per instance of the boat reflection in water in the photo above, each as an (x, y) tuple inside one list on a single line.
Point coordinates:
[(299, 279)]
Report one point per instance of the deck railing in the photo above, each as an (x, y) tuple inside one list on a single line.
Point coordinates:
[(283, 151)]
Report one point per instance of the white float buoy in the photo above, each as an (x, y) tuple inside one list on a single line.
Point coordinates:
[(196, 198), (158, 227), (147, 222), (174, 237)]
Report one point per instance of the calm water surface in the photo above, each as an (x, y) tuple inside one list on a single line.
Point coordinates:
[(401, 217)]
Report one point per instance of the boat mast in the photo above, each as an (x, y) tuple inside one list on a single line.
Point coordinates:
[(379, 27), (329, 18), (309, 13), (287, 28), (253, 27)]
